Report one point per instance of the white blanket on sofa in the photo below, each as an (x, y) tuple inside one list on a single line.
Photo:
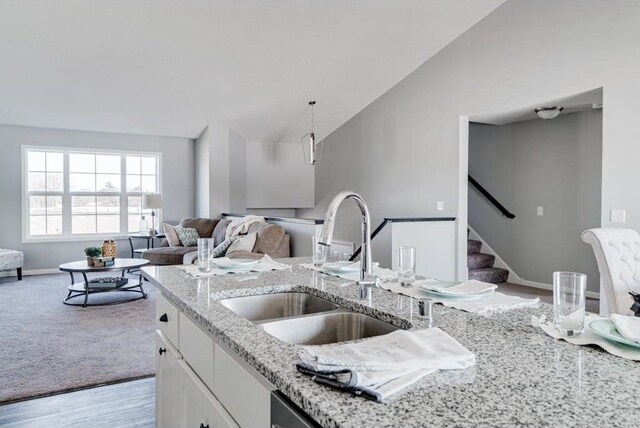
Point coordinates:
[(241, 226)]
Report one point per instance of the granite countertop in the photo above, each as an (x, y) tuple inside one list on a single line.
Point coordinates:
[(522, 377)]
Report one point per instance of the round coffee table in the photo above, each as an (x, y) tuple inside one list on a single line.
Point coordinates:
[(78, 289)]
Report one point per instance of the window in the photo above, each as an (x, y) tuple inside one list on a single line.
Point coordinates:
[(71, 193)]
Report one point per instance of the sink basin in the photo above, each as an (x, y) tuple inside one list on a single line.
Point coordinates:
[(278, 305), (327, 328)]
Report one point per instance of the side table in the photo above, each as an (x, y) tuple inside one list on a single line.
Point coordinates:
[(150, 242)]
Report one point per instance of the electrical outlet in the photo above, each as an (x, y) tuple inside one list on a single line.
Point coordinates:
[(618, 216), (440, 206), (540, 211)]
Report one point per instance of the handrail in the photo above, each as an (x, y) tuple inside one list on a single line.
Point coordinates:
[(373, 235), (505, 212)]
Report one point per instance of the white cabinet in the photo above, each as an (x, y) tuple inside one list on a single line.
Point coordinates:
[(167, 317), (198, 408), (239, 387), (166, 382), (196, 348)]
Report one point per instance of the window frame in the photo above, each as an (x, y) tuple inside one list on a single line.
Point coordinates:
[(123, 194)]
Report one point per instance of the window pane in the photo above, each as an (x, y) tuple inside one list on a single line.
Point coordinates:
[(135, 204), (80, 162), (82, 182), (83, 205), (133, 183), (54, 205), (149, 183), (108, 205), (108, 182), (36, 161), (134, 223), (55, 162), (148, 165), (37, 182), (55, 182), (108, 164), (37, 205), (54, 225), (83, 224), (133, 165), (37, 225), (108, 223)]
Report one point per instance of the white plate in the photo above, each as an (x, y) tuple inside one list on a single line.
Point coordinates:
[(607, 329), (346, 266), (457, 296), (235, 264)]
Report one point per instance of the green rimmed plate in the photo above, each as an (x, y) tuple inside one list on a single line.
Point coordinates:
[(607, 329)]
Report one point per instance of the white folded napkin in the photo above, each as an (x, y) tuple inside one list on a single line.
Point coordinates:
[(384, 365), (265, 264), (627, 326), (470, 287)]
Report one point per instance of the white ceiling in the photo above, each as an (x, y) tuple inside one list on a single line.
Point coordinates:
[(163, 67)]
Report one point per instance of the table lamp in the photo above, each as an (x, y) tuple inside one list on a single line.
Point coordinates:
[(153, 202)]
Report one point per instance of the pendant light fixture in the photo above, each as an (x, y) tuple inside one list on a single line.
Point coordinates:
[(311, 147), (548, 113)]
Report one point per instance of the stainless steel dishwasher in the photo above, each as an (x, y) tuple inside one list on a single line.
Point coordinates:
[(285, 414)]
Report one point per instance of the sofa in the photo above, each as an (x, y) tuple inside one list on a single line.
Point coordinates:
[(271, 239)]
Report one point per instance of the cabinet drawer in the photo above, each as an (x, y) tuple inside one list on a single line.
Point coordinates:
[(197, 406), (239, 387), (196, 347), (167, 316)]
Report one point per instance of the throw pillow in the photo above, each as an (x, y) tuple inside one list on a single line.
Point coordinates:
[(172, 236), (244, 243), (222, 248), (188, 236)]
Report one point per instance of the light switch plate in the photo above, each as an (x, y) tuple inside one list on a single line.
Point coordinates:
[(540, 211), (618, 216), (440, 206)]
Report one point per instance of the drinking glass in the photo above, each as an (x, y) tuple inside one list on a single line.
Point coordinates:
[(569, 289), (319, 252), (406, 266), (205, 250)]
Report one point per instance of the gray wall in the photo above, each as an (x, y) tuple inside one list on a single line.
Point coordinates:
[(404, 151), (237, 173), (555, 164), (177, 182)]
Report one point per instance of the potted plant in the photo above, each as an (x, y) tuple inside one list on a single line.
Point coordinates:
[(92, 252)]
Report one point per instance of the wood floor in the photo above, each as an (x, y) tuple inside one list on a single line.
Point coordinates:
[(122, 405), (591, 305)]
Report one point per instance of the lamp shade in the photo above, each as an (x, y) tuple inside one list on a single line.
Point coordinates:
[(151, 201)]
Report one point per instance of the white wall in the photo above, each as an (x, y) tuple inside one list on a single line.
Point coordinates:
[(555, 164), (402, 152), (237, 173), (277, 176), (177, 184)]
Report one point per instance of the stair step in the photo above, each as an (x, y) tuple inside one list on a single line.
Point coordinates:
[(492, 275), (473, 246), (480, 260)]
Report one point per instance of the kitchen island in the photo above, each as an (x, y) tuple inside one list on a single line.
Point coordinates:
[(522, 377)]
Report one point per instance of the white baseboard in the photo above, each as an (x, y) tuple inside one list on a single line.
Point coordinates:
[(29, 272), (534, 284)]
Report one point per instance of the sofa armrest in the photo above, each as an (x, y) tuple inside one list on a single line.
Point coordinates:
[(244, 255)]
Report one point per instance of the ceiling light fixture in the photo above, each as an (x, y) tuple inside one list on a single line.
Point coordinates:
[(548, 113), (311, 147)]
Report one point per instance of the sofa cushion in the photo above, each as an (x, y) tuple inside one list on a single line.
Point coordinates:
[(269, 238), (167, 255), (188, 236), (171, 235), (221, 249), (219, 233), (244, 243), (204, 226)]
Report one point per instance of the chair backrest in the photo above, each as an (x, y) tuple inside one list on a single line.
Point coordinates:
[(618, 254)]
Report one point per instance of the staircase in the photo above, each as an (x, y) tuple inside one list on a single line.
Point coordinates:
[(481, 265)]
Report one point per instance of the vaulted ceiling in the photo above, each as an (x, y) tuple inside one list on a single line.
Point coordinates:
[(163, 67)]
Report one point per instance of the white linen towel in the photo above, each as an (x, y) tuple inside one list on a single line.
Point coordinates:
[(382, 273), (242, 225), (627, 326), (468, 287), (384, 365), (265, 264), (490, 304), (588, 337)]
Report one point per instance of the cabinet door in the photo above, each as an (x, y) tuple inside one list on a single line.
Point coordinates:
[(166, 382), (197, 407), (167, 317)]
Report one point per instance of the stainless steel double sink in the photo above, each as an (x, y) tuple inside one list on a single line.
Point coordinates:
[(305, 319)]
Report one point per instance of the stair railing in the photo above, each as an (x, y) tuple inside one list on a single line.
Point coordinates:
[(505, 212), (373, 235)]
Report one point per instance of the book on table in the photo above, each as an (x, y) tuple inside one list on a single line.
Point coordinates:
[(109, 281)]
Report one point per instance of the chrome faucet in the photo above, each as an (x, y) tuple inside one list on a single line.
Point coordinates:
[(326, 234)]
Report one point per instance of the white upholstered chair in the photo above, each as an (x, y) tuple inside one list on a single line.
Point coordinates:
[(618, 254)]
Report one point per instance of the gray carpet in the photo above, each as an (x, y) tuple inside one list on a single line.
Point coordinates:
[(48, 347)]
